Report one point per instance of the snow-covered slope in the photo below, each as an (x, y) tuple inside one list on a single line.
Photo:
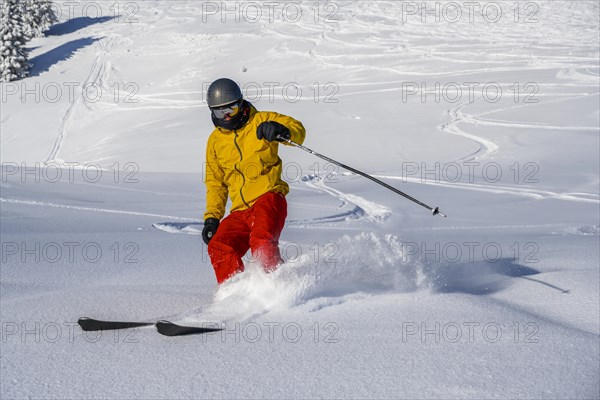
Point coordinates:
[(489, 111)]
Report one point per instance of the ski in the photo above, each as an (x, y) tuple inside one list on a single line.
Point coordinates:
[(170, 329), (90, 324), (163, 327)]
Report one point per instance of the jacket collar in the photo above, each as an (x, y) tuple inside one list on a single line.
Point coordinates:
[(248, 112)]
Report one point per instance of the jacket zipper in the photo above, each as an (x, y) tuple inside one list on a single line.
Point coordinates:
[(238, 170)]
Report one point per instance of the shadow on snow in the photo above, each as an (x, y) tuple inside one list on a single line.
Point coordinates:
[(482, 277), (74, 25), (44, 62)]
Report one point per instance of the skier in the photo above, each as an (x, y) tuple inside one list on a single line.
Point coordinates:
[(242, 162)]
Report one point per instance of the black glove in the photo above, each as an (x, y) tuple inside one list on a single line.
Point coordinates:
[(210, 227), (271, 130)]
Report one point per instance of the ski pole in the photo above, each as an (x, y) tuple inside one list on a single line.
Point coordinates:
[(435, 211)]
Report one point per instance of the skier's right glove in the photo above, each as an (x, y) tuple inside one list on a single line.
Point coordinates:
[(210, 228)]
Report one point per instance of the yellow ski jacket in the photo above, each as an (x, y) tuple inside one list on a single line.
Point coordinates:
[(240, 165)]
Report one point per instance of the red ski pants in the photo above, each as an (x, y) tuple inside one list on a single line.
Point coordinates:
[(257, 228)]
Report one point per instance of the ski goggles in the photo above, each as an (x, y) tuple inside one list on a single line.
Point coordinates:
[(228, 110)]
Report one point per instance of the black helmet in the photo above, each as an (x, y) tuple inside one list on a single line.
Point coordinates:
[(223, 91)]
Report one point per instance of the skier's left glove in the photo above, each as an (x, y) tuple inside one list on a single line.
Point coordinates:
[(271, 130), (210, 228)]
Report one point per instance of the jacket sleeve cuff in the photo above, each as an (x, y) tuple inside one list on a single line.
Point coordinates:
[(210, 214)]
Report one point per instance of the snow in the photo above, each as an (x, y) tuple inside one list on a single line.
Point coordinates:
[(102, 199)]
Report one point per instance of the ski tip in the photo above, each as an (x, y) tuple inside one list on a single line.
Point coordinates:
[(84, 322), (87, 324), (168, 328)]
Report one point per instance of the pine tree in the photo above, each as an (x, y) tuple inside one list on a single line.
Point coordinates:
[(27, 19), (13, 57), (38, 17)]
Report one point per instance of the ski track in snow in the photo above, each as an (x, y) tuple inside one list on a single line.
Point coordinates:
[(91, 209), (97, 78), (191, 228), (329, 39), (489, 122), (353, 208), (361, 208), (536, 194), (486, 147)]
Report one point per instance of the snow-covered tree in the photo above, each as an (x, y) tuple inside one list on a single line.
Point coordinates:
[(21, 20), (27, 19), (13, 57), (38, 17)]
